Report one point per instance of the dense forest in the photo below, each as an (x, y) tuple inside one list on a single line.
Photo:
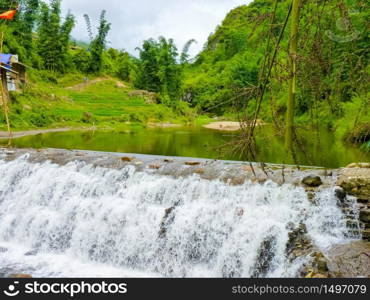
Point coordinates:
[(290, 63)]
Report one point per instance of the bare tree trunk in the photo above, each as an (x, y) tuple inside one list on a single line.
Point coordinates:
[(293, 75)]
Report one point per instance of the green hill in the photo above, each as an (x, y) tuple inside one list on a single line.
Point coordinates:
[(333, 64)]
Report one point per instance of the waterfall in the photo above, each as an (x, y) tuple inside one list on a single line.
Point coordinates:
[(79, 220)]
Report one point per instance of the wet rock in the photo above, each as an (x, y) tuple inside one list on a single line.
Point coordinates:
[(366, 234), (155, 167), (239, 212), (340, 194), (365, 215), (312, 181), (355, 182), (349, 260), (192, 163), (168, 160), (299, 244), (127, 159), (235, 181), (311, 197), (31, 253), (167, 219), (322, 265), (199, 171), (266, 253)]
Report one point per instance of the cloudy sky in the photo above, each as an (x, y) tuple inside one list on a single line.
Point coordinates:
[(136, 20)]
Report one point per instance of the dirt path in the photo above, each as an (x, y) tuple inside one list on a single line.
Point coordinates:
[(18, 134)]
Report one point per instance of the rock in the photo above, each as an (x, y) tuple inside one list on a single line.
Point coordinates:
[(235, 181), (127, 159), (355, 182), (199, 171), (166, 220), (358, 165), (311, 197), (340, 194), (31, 253), (365, 215), (299, 244), (322, 265), (312, 181), (192, 163), (168, 160), (350, 260), (248, 169), (154, 167), (366, 235), (20, 276), (239, 212)]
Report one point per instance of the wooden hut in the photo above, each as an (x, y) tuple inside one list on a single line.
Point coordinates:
[(12, 73)]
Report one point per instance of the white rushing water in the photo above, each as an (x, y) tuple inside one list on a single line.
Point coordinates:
[(83, 221)]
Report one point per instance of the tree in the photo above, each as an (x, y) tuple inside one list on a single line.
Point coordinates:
[(29, 14), (98, 44), (148, 67), (158, 69), (184, 58), (54, 37)]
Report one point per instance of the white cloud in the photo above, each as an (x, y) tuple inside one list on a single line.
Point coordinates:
[(135, 21)]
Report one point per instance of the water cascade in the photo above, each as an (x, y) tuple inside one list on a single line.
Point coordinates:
[(86, 221)]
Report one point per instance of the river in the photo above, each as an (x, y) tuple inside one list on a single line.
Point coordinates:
[(316, 148)]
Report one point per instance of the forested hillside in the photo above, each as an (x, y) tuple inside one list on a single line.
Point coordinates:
[(332, 65), (244, 71)]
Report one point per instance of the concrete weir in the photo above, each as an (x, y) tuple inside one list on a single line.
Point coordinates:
[(233, 172), (353, 180), (120, 214)]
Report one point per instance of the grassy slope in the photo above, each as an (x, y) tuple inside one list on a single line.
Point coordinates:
[(68, 102)]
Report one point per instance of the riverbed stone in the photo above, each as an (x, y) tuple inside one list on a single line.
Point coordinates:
[(155, 166), (349, 260), (365, 215), (340, 194), (322, 265), (355, 182), (127, 159), (366, 234), (192, 163), (312, 181)]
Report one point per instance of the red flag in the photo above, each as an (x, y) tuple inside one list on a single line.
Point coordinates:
[(9, 15)]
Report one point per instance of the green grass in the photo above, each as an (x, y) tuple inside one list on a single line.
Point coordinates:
[(51, 102)]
